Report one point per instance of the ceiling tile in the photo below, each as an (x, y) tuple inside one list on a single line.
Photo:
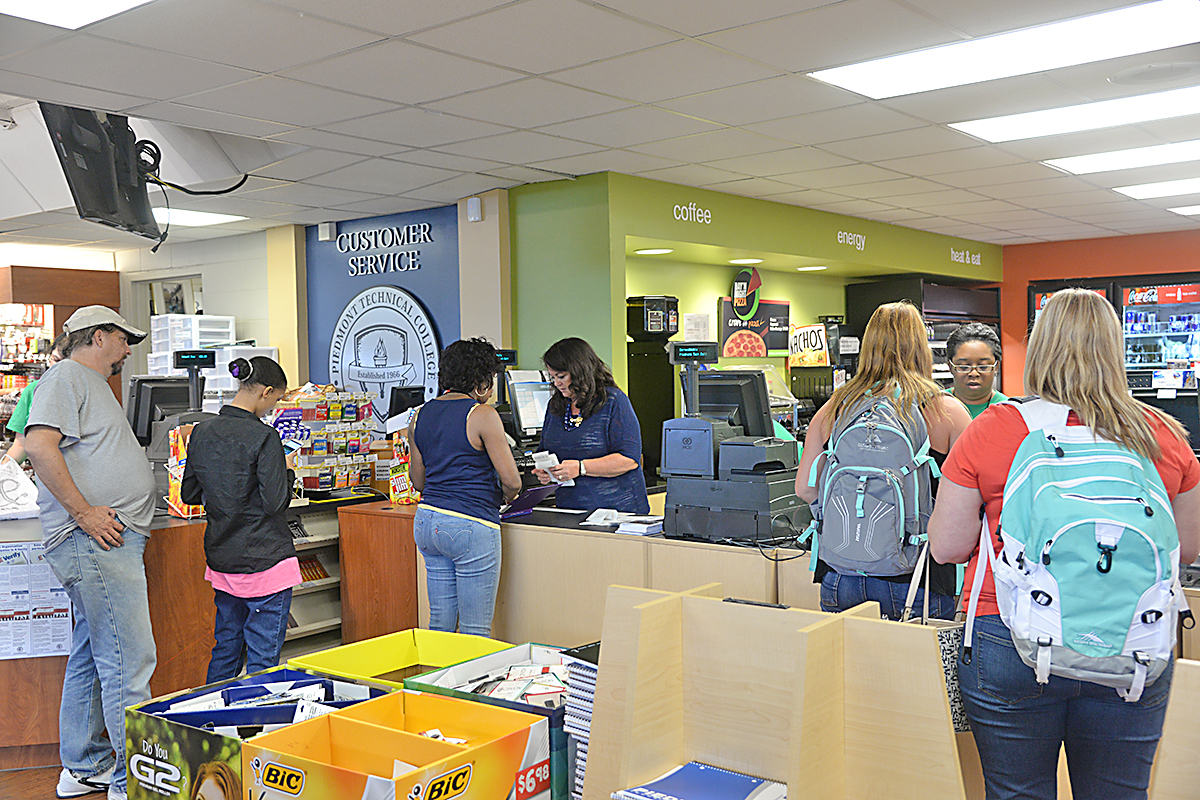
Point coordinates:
[(710, 146), (849, 122), (241, 33), (391, 17), (401, 71), (1091, 81), (661, 73), (899, 215), (527, 174), (432, 158), (944, 197), (980, 19), (991, 176), (852, 207), (951, 161), (706, 16), (690, 175), (1024, 189), (307, 164), (416, 127), (636, 125), (115, 67), (1133, 177), (753, 187), (455, 189), (768, 99), (835, 34), (1079, 144), (381, 176), (780, 162), (520, 147), (337, 141), (1003, 214), (848, 175), (66, 94), (896, 189), (315, 216), (622, 161), (304, 194), (960, 211), (389, 205), (288, 102), (914, 142), (22, 34), (207, 120), (530, 103), (534, 36)]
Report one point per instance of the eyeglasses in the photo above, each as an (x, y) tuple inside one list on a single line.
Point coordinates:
[(965, 369)]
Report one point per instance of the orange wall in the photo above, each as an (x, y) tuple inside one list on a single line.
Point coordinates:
[(1145, 254)]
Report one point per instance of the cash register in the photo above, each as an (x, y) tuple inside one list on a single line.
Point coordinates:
[(728, 476)]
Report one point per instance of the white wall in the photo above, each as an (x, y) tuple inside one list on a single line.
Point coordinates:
[(233, 270)]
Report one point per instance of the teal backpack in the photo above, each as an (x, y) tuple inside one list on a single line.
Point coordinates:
[(1088, 577)]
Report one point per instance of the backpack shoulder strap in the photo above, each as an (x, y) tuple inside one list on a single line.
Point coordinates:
[(1039, 413)]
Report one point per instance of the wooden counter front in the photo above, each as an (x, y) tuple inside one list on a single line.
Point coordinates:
[(379, 575)]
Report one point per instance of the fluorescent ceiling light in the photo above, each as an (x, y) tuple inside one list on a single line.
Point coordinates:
[(809, 269), (745, 261), (1124, 32), (1129, 159), (70, 14), (1086, 117), (653, 251), (1186, 210), (1146, 191), (191, 219)]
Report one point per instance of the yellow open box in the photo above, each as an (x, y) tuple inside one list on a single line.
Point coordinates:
[(389, 659), (378, 753)]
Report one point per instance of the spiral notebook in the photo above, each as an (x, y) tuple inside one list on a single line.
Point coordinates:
[(696, 781)]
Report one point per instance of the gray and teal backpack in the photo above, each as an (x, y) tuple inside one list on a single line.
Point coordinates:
[(874, 499), (1087, 580)]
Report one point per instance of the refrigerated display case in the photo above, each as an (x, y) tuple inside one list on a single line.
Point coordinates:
[(1040, 291)]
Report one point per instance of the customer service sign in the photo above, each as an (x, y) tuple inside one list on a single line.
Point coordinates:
[(382, 302)]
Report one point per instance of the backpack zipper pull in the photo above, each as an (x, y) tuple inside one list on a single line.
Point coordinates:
[(1146, 506), (1104, 564), (1046, 553), (1058, 451)]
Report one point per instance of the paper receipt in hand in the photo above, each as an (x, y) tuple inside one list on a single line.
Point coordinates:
[(544, 461)]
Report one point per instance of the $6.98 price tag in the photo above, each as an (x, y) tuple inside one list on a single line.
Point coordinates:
[(533, 780)]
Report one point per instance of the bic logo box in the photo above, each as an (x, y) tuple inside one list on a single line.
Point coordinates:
[(374, 750), (179, 742)]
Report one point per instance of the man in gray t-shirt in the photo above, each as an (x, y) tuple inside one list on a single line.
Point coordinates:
[(96, 503)]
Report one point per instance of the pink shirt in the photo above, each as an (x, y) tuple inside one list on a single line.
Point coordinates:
[(283, 575)]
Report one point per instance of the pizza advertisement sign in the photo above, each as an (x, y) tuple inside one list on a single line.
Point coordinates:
[(763, 333), (807, 346)]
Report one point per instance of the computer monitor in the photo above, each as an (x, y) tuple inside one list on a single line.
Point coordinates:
[(153, 398), (528, 395), (404, 398), (98, 155), (738, 397)]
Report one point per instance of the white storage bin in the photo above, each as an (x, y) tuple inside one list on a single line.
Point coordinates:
[(218, 378), (190, 331)]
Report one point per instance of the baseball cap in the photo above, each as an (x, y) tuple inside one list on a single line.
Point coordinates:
[(91, 316)]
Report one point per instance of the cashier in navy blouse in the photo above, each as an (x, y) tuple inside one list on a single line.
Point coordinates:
[(591, 427)]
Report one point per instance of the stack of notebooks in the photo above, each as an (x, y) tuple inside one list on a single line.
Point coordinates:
[(538, 684), (696, 781), (581, 694)]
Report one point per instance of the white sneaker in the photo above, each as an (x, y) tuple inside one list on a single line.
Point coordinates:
[(71, 785)]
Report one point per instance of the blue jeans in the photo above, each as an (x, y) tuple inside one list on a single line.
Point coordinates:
[(249, 627), (1020, 725), (840, 592), (462, 565), (112, 649)]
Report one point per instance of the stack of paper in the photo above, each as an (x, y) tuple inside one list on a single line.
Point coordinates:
[(641, 528), (581, 694), (539, 684), (696, 781)]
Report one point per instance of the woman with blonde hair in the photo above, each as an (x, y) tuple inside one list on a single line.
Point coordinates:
[(1074, 359), (895, 362)]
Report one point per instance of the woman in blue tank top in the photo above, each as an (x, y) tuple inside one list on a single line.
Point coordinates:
[(458, 450)]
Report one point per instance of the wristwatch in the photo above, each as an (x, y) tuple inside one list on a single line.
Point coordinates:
[(582, 468)]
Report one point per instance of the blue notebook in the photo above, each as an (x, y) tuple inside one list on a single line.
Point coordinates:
[(696, 781)]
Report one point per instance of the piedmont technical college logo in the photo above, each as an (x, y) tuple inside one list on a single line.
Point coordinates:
[(384, 338)]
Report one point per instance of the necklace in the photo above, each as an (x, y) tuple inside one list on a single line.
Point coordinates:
[(571, 420)]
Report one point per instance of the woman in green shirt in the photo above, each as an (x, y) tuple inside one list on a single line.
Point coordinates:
[(973, 352), (16, 423)]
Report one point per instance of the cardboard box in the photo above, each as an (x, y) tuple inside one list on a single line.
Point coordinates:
[(389, 659), (375, 751), (167, 750), (443, 681)]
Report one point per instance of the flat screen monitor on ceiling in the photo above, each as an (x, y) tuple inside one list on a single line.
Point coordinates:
[(98, 155)]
